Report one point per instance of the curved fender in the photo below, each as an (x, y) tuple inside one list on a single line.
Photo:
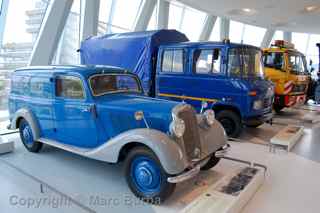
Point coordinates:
[(30, 118), (167, 150), (213, 138)]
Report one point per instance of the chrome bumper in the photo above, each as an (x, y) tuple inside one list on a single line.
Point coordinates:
[(193, 172), (185, 176), (224, 150)]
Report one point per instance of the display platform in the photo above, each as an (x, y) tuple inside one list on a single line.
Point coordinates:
[(286, 137), (230, 194), (101, 187), (5, 145)]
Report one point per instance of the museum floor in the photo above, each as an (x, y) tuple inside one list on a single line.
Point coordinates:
[(291, 183)]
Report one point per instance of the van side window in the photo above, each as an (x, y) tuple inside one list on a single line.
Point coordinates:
[(69, 87), (207, 61), (172, 61), (40, 87)]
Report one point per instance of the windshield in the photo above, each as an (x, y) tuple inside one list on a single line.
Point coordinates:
[(297, 63), (102, 84), (245, 62), (274, 60)]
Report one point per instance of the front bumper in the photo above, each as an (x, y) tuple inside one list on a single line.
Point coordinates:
[(260, 119), (197, 167)]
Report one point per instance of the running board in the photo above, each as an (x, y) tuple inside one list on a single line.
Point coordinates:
[(69, 148)]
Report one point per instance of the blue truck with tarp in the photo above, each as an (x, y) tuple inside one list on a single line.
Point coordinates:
[(223, 76)]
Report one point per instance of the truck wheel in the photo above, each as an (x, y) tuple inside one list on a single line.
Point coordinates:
[(277, 108), (27, 138), (231, 122), (146, 177), (212, 162)]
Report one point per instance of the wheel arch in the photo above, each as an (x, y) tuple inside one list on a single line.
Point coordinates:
[(220, 107), (30, 118)]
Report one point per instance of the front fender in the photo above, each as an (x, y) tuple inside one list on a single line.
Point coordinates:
[(30, 118), (167, 150)]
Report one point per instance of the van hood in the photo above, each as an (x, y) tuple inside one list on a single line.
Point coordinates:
[(116, 112)]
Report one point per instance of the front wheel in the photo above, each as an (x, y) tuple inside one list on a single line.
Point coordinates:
[(277, 108), (146, 177), (231, 122), (27, 137)]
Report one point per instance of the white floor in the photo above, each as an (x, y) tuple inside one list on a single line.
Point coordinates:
[(292, 182)]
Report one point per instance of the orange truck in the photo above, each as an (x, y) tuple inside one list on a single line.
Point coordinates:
[(287, 68)]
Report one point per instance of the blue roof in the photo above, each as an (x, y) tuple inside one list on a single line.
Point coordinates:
[(80, 69), (133, 51)]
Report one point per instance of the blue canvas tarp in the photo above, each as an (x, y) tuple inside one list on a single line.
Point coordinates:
[(131, 51)]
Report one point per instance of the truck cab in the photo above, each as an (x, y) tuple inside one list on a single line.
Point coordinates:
[(287, 68), (222, 76), (229, 77)]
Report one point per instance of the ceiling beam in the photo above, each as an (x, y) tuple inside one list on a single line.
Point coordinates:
[(50, 32), (267, 38), (224, 28), (90, 19), (163, 14), (145, 15), (207, 27)]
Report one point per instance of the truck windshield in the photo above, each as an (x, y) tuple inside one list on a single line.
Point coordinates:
[(274, 60), (297, 63), (245, 62), (102, 84)]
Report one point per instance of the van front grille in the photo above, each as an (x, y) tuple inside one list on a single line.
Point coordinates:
[(191, 136)]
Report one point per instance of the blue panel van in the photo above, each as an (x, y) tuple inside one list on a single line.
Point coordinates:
[(228, 77)]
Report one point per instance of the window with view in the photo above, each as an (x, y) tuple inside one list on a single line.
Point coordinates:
[(207, 61), (172, 61), (111, 83)]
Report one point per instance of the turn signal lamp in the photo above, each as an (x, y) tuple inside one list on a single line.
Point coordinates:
[(253, 93)]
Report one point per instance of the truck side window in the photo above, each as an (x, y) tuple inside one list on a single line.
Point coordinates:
[(172, 61), (69, 87), (207, 61), (273, 60)]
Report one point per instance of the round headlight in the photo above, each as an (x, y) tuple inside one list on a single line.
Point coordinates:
[(177, 127), (257, 105), (210, 117)]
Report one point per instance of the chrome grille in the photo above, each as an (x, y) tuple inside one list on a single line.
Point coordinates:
[(191, 137)]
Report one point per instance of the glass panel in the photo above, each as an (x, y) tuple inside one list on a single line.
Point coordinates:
[(167, 61), (253, 35), (300, 41), (69, 87), (172, 61), (297, 63), (207, 61), (66, 52), (23, 22), (278, 35), (104, 84), (236, 29), (215, 35), (234, 64), (274, 60), (175, 14), (177, 63), (313, 54), (192, 23), (125, 13)]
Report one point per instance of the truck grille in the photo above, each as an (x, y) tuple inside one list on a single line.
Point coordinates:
[(299, 88), (267, 102), (191, 137)]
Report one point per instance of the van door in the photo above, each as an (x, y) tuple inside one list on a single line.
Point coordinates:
[(207, 79), (171, 70), (75, 122)]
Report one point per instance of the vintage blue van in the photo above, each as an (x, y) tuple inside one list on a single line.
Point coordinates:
[(102, 113), (230, 77)]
